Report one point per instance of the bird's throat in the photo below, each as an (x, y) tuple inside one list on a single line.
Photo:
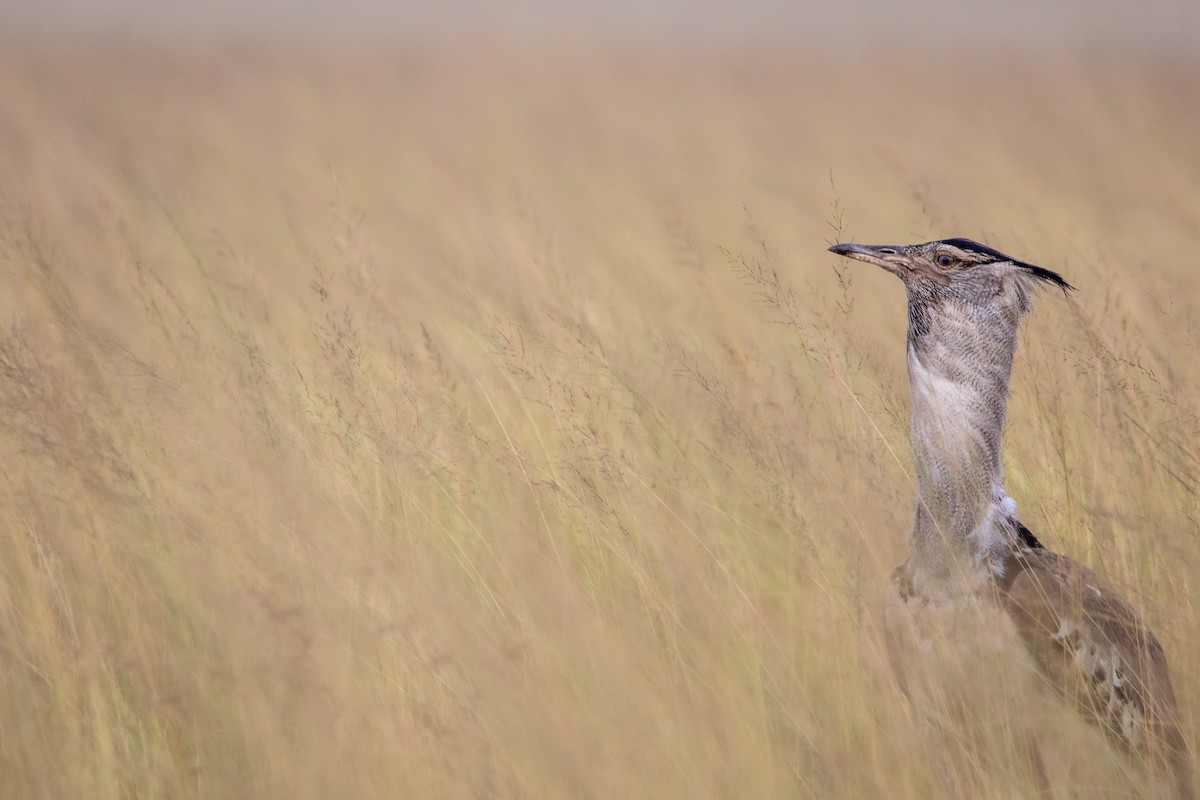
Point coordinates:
[(959, 389)]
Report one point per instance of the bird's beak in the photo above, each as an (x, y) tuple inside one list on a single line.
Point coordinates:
[(881, 255)]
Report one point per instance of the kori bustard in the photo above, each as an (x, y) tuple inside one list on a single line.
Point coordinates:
[(965, 304)]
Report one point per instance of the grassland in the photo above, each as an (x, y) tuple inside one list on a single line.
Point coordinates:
[(447, 423)]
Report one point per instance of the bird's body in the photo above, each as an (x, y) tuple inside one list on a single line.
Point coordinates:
[(1094, 649), (980, 609)]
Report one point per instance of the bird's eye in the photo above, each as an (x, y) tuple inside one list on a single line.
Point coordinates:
[(945, 260)]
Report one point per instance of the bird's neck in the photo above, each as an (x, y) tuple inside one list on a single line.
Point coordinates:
[(959, 365)]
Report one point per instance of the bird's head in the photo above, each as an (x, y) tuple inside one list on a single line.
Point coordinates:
[(959, 268)]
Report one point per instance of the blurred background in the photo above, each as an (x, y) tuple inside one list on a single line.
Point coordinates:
[(458, 400), (996, 29)]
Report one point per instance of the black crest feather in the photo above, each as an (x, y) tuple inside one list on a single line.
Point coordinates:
[(1041, 273)]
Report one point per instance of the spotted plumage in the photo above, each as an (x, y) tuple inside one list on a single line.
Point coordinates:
[(1095, 650)]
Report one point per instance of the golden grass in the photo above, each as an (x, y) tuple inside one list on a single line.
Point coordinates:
[(446, 424)]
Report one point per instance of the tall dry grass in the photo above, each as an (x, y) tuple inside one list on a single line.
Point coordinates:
[(447, 424)]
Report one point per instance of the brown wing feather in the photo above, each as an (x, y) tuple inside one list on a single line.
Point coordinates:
[(1091, 645)]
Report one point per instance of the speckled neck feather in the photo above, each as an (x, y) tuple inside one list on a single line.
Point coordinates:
[(960, 356)]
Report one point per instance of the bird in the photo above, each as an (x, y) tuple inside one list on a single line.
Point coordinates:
[(971, 561)]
